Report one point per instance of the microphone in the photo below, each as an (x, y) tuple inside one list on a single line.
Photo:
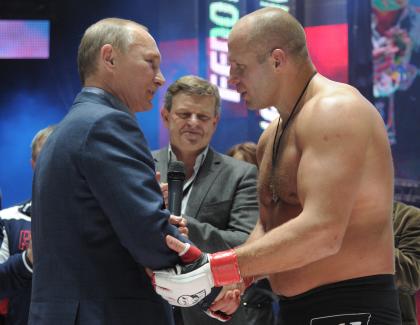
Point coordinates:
[(176, 177)]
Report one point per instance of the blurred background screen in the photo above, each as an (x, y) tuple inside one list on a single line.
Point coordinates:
[(24, 39)]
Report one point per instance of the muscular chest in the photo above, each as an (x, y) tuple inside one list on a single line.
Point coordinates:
[(278, 182)]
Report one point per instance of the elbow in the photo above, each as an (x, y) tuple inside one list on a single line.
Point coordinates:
[(333, 240), (335, 246)]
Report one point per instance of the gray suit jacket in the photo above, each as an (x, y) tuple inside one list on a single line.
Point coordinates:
[(222, 208), (221, 212)]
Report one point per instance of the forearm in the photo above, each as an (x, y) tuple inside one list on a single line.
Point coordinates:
[(298, 242), (257, 233), (289, 246)]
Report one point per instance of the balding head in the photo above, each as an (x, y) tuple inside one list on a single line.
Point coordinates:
[(266, 29), (114, 31)]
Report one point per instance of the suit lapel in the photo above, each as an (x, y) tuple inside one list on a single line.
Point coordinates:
[(205, 178), (161, 161)]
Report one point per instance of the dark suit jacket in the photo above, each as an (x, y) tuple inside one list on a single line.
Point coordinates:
[(221, 212), (97, 220)]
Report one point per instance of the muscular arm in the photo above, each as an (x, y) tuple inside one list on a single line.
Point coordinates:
[(332, 137), (257, 233)]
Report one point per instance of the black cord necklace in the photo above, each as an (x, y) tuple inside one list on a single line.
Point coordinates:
[(276, 144)]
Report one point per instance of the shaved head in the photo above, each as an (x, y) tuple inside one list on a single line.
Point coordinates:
[(266, 29)]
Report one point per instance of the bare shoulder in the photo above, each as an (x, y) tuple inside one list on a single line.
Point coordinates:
[(336, 110), (265, 137)]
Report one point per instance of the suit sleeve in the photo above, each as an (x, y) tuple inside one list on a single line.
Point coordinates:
[(13, 273), (119, 169), (407, 247), (243, 216)]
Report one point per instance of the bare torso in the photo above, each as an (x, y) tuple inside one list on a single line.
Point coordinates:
[(367, 247)]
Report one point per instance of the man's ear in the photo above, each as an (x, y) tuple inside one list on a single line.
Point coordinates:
[(107, 56), (278, 57), (216, 120), (164, 113)]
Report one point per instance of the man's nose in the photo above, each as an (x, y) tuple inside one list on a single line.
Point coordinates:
[(193, 118), (160, 79), (232, 80)]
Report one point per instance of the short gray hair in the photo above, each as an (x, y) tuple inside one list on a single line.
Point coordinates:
[(192, 85), (114, 31), (39, 140)]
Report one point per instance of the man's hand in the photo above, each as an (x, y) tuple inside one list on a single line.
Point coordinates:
[(178, 221), (165, 192), (186, 285), (164, 189), (29, 251), (226, 303), (181, 223)]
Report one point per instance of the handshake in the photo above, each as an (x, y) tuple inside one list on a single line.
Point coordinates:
[(200, 280)]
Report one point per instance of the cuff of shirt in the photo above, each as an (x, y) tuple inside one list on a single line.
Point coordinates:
[(26, 262)]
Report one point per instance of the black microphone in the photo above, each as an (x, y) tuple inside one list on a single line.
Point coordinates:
[(176, 177)]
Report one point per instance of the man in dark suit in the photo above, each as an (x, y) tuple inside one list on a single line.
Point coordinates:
[(219, 197), (97, 211)]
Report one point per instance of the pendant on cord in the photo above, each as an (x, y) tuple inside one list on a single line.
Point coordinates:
[(274, 196)]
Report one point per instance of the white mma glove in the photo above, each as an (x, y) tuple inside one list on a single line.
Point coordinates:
[(186, 285)]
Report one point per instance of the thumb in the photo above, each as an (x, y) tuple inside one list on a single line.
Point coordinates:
[(175, 244), (187, 252), (158, 177)]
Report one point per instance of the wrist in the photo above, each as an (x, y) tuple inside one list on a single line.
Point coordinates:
[(248, 281), (224, 267)]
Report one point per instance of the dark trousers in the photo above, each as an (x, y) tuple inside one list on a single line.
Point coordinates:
[(369, 300)]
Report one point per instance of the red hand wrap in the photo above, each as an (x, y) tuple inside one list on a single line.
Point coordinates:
[(224, 268), (191, 255)]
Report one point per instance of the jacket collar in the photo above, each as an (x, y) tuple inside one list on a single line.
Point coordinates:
[(206, 176), (98, 95)]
